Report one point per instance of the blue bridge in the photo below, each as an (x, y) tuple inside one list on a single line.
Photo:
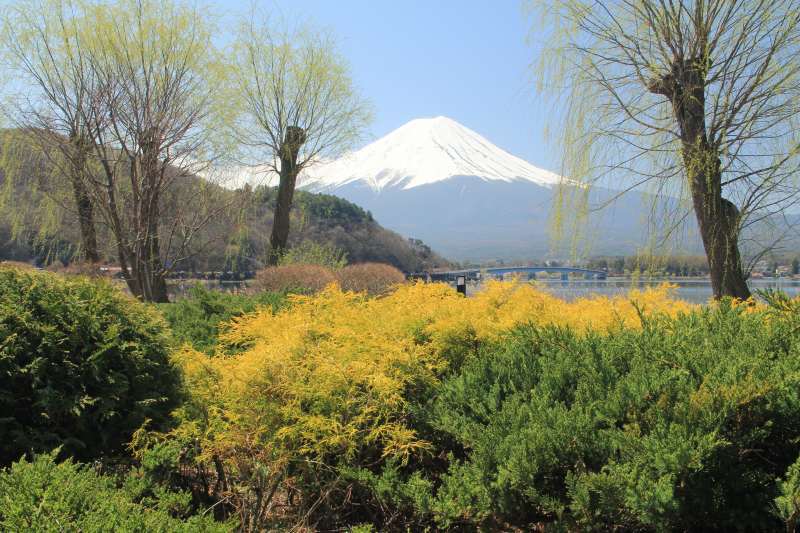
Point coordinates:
[(498, 272)]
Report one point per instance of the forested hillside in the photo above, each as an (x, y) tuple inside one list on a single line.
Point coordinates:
[(38, 225)]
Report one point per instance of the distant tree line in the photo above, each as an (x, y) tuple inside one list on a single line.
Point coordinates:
[(679, 265)]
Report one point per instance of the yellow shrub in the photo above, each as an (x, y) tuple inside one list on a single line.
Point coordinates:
[(350, 357), (325, 380), (502, 305)]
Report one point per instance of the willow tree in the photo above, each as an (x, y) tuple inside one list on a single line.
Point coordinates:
[(128, 92), (697, 97), (153, 131), (52, 87), (298, 104)]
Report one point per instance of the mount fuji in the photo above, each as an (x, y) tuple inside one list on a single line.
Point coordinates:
[(436, 180), (424, 152)]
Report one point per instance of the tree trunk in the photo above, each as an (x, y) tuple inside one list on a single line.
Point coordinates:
[(148, 274), (153, 284), (131, 277), (86, 221), (155, 268), (83, 202), (146, 278), (157, 273), (717, 218), (283, 207), (150, 277), (294, 139), (130, 272)]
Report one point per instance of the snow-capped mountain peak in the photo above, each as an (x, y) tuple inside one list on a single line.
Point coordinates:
[(421, 152)]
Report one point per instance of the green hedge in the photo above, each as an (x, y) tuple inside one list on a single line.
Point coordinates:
[(82, 366)]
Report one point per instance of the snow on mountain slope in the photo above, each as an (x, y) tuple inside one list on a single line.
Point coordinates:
[(422, 152)]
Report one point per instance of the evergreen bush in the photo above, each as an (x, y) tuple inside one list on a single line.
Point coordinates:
[(44, 496), (686, 424), (82, 366)]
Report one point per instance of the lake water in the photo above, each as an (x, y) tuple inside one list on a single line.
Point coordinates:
[(691, 290)]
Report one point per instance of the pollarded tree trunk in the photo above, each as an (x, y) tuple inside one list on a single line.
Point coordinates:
[(717, 217), (718, 220), (283, 207), (293, 141)]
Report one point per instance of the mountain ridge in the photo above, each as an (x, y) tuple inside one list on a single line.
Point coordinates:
[(436, 180)]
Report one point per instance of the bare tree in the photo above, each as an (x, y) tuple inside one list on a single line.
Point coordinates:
[(695, 97), (151, 133), (298, 104), (55, 87)]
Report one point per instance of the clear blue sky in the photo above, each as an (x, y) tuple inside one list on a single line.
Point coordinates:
[(465, 59)]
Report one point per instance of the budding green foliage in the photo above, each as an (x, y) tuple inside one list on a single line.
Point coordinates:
[(285, 77)]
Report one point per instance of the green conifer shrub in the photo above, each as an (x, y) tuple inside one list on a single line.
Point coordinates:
[(787, 503), (688, 424), (82, 366), (45, 496)]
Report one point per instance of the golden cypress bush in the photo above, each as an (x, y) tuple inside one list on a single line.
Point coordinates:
[(323, 385)]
